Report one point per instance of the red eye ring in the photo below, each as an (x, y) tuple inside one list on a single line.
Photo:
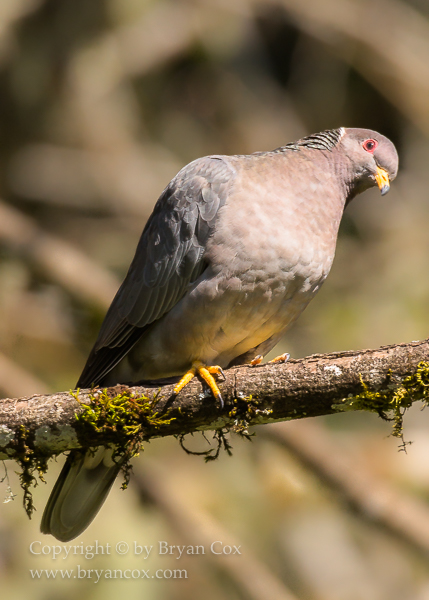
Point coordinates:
[(370, 145)]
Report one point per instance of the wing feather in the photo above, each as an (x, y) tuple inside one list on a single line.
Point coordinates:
[(169, 256)]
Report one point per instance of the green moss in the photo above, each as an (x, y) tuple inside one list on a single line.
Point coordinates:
[(118, 417), (121, 419), (33, 467), (246, 409), (393, 399)]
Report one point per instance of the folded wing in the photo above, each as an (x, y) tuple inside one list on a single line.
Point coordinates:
[(169, 256)]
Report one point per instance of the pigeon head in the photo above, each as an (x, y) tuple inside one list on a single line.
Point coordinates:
[(372, 160)]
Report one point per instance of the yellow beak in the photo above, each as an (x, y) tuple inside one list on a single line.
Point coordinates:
[(382, 179)]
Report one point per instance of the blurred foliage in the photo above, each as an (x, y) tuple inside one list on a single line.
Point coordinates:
[(101, 103)]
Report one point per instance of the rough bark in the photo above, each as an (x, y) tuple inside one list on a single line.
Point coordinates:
[(308, 387)]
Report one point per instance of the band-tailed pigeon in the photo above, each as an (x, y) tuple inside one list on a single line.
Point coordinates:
[(233, 252)]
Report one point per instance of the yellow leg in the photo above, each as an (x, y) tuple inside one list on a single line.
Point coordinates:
[(205, 373)]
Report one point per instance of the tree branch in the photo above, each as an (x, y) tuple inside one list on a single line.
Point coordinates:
[(309, 387)]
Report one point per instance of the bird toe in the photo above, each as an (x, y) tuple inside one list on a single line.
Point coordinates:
[(206, 373), (283, 358), (257, 360)]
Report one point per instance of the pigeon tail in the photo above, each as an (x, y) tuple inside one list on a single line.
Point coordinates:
[(79, 493)]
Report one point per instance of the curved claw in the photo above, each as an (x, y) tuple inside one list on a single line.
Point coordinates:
[(216, 370)]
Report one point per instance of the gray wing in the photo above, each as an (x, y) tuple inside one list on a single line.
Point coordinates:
[(169, 256)]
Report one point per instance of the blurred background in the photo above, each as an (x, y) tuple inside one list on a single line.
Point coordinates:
[(101, 103)]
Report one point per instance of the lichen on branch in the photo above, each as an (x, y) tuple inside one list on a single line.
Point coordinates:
[(392, 400)]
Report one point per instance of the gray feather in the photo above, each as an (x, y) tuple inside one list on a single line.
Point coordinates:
[(169, 256)]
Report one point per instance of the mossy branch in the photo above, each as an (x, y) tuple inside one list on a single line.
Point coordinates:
[(385, 381)]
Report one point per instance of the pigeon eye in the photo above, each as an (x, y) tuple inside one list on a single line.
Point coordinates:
[(370, 145)]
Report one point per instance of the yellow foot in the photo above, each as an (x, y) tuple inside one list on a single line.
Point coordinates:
[(257, 360), (283, 358), (205, 373)]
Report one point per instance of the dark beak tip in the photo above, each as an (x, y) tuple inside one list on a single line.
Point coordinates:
[(385, 189)]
